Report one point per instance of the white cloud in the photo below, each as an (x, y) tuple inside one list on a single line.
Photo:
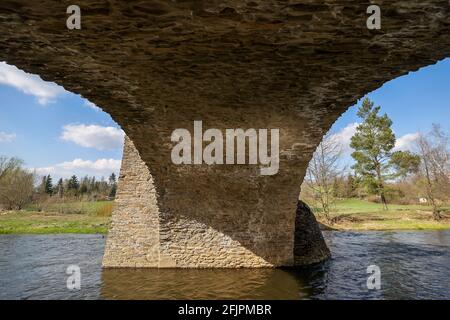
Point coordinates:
[(92, 106), (45, 92), (94, 136), (80, 168), (344, 137), (406, 142), (7, 137)]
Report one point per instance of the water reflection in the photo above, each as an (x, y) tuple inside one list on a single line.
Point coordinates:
[(199, 284), (414, 265)]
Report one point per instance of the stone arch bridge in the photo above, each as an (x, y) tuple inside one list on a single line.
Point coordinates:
[(155, 66)]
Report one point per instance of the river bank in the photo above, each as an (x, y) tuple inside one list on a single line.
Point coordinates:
[(81, 217), (32, 222), (94, 218), (360, 215)]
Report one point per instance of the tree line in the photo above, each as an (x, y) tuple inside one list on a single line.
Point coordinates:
[(87, 186), (20, 186), (422, 176)]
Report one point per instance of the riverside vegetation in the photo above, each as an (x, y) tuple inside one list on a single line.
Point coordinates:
[(82, 217), (385, 188), (34, 205), (362, 215)]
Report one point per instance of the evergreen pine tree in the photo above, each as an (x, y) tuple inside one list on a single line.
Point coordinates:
[(60, 188), (73, 185), (48, 187), (374, 142), (112, 185)]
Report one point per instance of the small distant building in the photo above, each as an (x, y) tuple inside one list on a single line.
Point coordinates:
[(423, 200)]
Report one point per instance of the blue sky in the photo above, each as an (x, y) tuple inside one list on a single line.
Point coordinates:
[(60, 133), (55, 131), (414, 102)]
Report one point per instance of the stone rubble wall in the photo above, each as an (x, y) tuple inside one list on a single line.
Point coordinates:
[(133, 238)]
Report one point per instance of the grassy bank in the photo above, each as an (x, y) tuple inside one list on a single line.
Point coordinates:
[(98, 208), (76, 217), (94, 217), (354, 214)]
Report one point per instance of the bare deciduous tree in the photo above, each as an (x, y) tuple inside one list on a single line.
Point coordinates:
[(323, 170), (9, 164), (16, 184), (435, 166)]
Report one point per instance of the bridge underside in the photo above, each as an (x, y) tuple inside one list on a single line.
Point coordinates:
[(156, 66)]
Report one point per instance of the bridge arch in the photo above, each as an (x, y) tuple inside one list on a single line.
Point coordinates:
[(156, 66)]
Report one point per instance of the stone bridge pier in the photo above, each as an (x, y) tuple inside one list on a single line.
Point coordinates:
[(198, 217), (156, 66)]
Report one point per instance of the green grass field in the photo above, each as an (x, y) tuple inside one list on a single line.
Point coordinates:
[(355, 214), (75, 217), (94, 217), (78, 207)]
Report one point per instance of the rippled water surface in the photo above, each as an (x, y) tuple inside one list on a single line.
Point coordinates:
[(414, 265)]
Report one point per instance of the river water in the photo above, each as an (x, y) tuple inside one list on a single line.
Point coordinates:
[(413, 265)]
